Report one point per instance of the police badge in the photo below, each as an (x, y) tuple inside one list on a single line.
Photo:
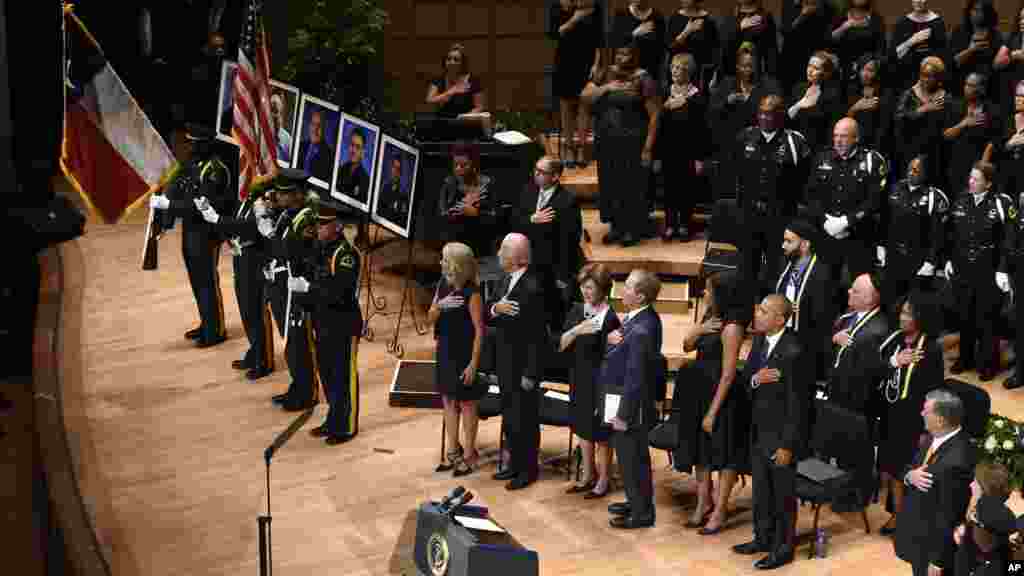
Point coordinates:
[(437, 554)]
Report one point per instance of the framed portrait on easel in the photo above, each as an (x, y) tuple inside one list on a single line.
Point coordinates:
[(318, 132), (226, 102), (395, 186), (355, 164), (284, 117)]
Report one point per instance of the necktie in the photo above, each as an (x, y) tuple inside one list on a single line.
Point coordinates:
[(762, 356), (930, 455), (307, 162)]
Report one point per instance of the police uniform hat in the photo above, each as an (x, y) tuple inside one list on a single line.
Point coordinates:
[(199, 132), (803, 229), (291, 180), (332, 210)]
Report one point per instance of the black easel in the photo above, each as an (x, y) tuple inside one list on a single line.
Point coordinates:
[(374, 304), (263, 522), (395, 347)]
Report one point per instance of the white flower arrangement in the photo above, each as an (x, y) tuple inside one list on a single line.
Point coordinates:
[(1003, 442)]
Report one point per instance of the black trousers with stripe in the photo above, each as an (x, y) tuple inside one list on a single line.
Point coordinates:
[(201, 253), (337, 351), (300, 351), (253, 308)]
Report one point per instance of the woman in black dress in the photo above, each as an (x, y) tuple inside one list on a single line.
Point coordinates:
[(806, 28), (871, 105), (641, 25), (466, 202), (913, 366), (1009, 64), (752, 23), (974, 44), (734, 102), (920, 121), (861, 30), (457, 311), (687, 143), (983, 540), (576, 25), (457, 91), (714, 429), (626, 109), (586, 331), (974, 124), (1011, 149), (815, 103), (693, 30), (917, 35)]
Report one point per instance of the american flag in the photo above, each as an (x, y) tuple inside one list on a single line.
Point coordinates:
[(252, 124)]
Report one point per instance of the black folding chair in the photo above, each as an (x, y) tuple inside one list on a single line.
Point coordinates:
[(722, 247), (835, 432)]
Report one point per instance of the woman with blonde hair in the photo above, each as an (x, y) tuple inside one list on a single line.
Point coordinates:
[(457, 312)]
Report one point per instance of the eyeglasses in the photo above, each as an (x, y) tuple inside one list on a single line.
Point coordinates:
[(541, 171)]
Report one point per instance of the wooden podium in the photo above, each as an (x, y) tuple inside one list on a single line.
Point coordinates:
[(445, 547)]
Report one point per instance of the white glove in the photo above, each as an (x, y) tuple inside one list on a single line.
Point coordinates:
[(201, 203), (268, 274), (259, 208), (210, 215), (266, 227), (159, 202), (949, 269), (1003, 281), (926, 269), (832, 226), (298, 284), (880, 254)]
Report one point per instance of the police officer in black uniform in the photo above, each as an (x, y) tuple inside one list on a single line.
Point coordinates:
[(913, 229), (293, 252), (204, 176), (249, 251), (981, 223), (329, 292), (769, 160), (844, 194)]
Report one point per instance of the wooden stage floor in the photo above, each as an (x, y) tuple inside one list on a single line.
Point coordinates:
[(179, 438)]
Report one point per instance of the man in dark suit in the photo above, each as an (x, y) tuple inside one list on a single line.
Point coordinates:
[(777, 380), (352, 180), (938, 489), (806, 281), (856, 364), (632, 370), (315, 155), (517, 313), (549, 216)]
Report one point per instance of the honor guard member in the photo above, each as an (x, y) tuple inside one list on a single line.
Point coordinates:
[(330, 294), (769, 159), (844, 194), (287, 198), (913, 226), (204, 176), (293, 247), (249, 251), (980, 224)]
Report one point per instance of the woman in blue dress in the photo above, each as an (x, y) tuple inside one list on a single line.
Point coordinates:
[(457, 311)]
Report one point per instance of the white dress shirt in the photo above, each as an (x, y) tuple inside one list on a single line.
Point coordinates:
[(514, 277), (544, 196), (771, 340)]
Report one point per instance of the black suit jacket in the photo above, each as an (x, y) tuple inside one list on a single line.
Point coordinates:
[(780, 410), (355, 185), (519, 340), (924, 529), (814, 307), (555, 246), (633, 368), (853, 380), (320, 167)]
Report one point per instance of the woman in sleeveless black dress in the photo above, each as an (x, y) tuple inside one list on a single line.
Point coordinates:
[(457, 311), (715, 425), (586, 332), (914, 366)]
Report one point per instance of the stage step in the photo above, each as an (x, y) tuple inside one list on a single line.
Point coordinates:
[(673, 299), (666, 258), (582, 182), (673, 329)]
